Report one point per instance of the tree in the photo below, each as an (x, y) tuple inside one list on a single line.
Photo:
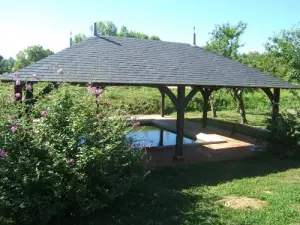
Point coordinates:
[(78, 38), (285, 46), (6, 65), (108, 28), (225, 41), (30, 55)]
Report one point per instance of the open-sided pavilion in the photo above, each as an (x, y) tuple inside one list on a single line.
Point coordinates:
[(103, 61)]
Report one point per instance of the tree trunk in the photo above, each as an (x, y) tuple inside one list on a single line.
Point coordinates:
[(212, 107), (237, 94)]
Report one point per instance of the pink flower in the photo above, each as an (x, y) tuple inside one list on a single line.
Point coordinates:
[(3, 154), (136, 124), (11, 89), (18, 95), (95, 90), (72, 161), (98, 91), (34, 75), (60, 71), (18, 82), (14, 128), (43, 113)]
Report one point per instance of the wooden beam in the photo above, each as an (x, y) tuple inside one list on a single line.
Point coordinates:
[(162, 104), (274, 98), (169, 93), (190, 96), (48, 89), (180, 122), (269, 93), (161, 137), (275, 104)]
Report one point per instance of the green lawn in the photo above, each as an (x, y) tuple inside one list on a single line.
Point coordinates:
[(189, 195)]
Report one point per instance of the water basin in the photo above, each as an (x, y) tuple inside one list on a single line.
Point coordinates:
[(151, 136)]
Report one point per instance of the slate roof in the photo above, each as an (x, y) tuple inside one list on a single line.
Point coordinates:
[(130, 61)]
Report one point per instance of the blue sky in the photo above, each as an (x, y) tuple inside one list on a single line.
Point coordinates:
[(49, 22)]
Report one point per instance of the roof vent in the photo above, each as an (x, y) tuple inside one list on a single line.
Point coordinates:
[(71, 41), (194, 38), (95, 30)]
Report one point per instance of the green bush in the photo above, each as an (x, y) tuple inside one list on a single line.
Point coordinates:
[(286, 132), (73, 160)]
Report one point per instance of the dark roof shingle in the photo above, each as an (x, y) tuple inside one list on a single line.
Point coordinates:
[(130, 61)]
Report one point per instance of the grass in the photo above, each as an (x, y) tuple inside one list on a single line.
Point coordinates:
[(189, 195), (254, 118)]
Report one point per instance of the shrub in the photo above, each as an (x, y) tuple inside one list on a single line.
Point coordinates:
[(73, 161), (286, 131)]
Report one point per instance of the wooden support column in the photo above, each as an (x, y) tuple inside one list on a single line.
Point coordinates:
[(29, 101), (274, 99), (161, 137), (205, 94), (275, 103), (162, 104), (205, 109), (180, 121), (18, 92)]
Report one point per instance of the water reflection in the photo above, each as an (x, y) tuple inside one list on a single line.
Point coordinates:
[(146, 136)]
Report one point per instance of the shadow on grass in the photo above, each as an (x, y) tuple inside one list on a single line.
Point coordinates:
[(178, 195)]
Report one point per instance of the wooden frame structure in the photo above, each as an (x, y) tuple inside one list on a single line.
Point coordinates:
[(115, 61)]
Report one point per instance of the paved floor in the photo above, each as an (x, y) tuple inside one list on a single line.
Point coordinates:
[(215, 144)]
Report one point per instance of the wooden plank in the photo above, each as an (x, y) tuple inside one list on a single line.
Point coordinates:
[(275, 103), (205, 109), (162, 104), (190, 96), (161, 137), (180, 122), (169, 93)]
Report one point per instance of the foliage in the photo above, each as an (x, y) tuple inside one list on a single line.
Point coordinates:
[(286, 131), (225, 39), (30, 55), (73, 160), (78, 38), (108, 28), (6, 65), (285, 46)]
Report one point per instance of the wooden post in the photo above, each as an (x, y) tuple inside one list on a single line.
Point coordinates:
[(205, 94), (162, 104), (161, 137), (205, 108), (274, 99), (275, 103), (28, 91), (28, 96), (18, 92), (180, 122)]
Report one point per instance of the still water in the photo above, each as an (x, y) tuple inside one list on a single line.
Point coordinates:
[(150, 136)]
